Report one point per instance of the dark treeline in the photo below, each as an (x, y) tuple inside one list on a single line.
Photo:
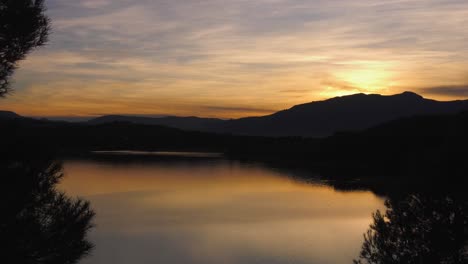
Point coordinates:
[(79, 138), (432, 144)]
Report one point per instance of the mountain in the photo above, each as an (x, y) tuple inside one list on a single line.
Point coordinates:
[(316, 119), (7, 115), (423, 145), (347, 113), (186, 123)]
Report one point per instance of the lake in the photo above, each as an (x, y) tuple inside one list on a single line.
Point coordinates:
[(204, 210)]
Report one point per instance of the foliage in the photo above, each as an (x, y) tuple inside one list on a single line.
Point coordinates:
[(39, 224), (23, 27), (418, 229)]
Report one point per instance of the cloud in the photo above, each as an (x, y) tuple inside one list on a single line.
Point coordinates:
[(238, 109), (449, 90), (93, 4), (295, 91), (193, 53)]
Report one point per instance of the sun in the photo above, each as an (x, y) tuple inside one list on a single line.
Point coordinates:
[(358, 81), (367, 76), (367, 79)]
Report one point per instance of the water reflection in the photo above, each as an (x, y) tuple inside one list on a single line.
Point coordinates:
[(178, 210), (217, 211), (419, 228), (425, 218), (38, 223)]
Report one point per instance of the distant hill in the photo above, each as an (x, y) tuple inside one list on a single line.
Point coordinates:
[(5, 115), (348, 113), (186, 123), (316, 119), (435, 144)]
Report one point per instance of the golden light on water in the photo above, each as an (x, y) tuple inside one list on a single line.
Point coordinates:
[(217, 212)]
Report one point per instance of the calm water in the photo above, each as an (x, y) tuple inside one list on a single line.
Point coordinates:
[(216, 211)]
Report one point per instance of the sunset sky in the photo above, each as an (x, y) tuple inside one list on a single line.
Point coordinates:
[(234, 58)]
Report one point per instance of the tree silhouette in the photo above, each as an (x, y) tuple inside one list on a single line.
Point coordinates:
[(39, 224), (23, 27), (418, 229)]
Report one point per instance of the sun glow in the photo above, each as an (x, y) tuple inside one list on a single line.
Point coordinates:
[(367, 80), (187, 58), (331, 91)]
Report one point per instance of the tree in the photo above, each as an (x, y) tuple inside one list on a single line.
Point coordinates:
[(23, 27), (38, 223), (418, 229)]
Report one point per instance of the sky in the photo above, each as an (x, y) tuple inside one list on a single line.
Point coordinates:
[(235, 58)]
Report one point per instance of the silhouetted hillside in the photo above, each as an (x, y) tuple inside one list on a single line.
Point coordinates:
[(347, 113), (369, 132), (424, 144), (420, 143), (8, 115), (186, 123), (78, 138), (436, 144), (317, 119)]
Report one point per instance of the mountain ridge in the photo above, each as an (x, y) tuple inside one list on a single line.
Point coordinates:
[(323, 118), (346, 113), (9, 115)]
